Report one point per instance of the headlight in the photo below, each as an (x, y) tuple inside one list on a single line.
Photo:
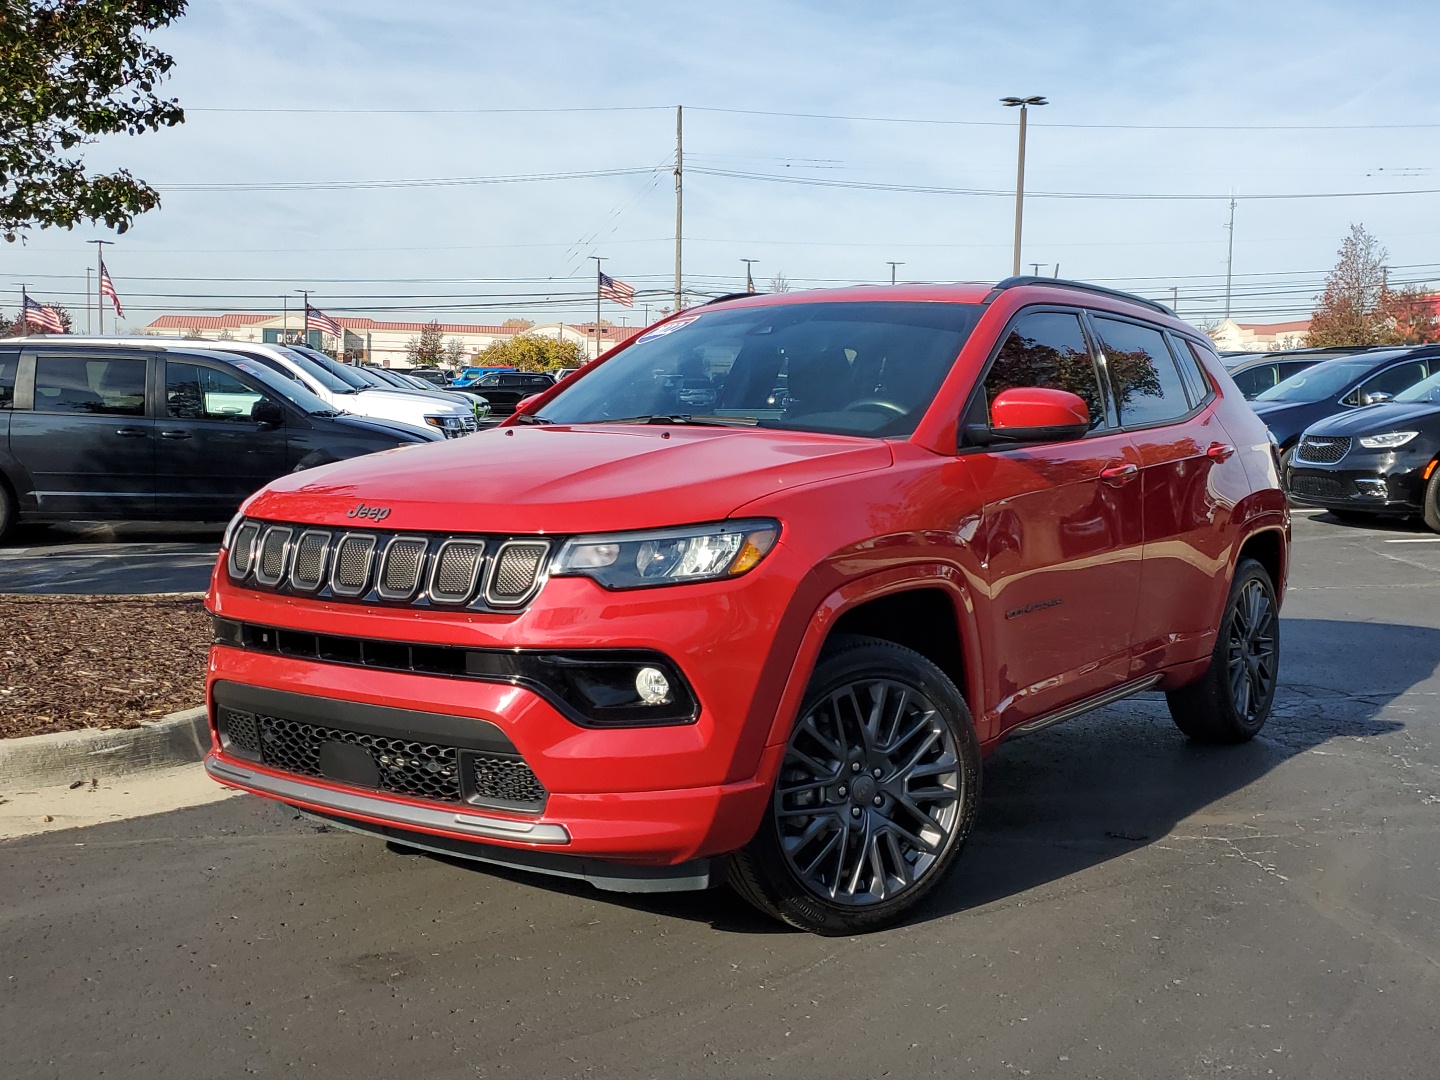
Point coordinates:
[(449, 423), (1387, 441), (668, 556)]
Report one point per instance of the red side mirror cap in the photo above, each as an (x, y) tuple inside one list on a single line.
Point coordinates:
[(1038, 414)]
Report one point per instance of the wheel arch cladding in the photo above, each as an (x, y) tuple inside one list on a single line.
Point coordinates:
[(922, 619), (1268, 549)]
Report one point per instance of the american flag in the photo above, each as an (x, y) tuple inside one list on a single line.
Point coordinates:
[(107, 288), (614, 289), (315, 319), (43, 317)]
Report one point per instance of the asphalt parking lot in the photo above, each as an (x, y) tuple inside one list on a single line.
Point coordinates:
[(118, 558), (1130, 906)]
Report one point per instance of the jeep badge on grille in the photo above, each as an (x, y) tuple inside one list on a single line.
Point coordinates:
[(374, 513)]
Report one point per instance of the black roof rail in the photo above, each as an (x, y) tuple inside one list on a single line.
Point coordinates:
[(1066, 283), (729, 296)]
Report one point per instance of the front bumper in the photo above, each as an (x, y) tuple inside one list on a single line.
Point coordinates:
[(658, 798), (1367, 483)]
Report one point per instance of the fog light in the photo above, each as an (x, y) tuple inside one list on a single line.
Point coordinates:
[(652, 686), (1375, 488)]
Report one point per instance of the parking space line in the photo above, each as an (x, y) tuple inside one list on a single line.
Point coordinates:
[(1416, 540)]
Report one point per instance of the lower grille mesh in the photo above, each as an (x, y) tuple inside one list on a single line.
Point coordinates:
[(1321, 487), (410, 767)]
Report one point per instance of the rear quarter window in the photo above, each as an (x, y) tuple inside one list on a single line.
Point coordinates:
[(1143, 376), (9, 361)]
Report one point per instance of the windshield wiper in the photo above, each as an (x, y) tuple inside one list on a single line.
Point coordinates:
[(678, 418), (531, 418)]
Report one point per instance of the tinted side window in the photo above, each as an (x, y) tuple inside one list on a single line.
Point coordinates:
[(199, 393), (113, 387), (1253, 380), (9, 361), (1392, 380), (1191, 371), (1047, 348), (1143, 375)]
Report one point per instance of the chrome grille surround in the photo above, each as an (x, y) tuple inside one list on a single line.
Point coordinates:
[(242, 548), (274, 555), (517, 572), (312, 550), (1322, 449), (402, 567), (456, 571), (473, 572), (350, 571)]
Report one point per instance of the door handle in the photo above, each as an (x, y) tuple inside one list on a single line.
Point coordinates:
[(1219, 451), (175, 434), (1118, 475), (131, 432)]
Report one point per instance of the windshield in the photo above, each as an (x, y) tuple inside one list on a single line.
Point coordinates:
[(1316, 383), (316, 372), (289, 389), (348, 375), (843, 368), (1426, 390)]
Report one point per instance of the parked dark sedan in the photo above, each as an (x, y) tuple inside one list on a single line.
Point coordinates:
[(1254, 373), (92, 432), (1334, 386), (1379, 460)]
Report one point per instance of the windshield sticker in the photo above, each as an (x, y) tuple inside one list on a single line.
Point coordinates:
[(667, 328)]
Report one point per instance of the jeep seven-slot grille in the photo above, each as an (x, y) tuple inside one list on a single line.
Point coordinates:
[(411, 767), (490, 573), (1322, 450)]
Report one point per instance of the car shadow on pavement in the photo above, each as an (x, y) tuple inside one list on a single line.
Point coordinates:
[(1102, 786)]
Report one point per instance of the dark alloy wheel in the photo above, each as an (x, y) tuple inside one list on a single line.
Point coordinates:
[(1231, 702), (876, 793)]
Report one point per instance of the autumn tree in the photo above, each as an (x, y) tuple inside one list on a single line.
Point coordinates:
[(1351, 311), (71, 71), (428, 349), (1410, 317), (532, 352)]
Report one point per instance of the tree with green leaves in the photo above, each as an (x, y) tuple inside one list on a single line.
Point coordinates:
[(71, 71), (532, 352)]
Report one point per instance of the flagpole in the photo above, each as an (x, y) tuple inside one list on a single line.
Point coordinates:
[(99, 273), (87, 300), (305, 322), (24, 311), (598, 260)]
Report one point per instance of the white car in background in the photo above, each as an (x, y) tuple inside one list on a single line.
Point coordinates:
[(451, 419)]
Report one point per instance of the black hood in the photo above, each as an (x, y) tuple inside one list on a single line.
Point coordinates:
[(387, 428), (1376, 419)]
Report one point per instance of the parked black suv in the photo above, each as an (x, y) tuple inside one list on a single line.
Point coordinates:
[(93, 432), (1377, 461), (506, 389)]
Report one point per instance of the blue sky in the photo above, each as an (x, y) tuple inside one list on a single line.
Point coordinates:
[(1152, 99)]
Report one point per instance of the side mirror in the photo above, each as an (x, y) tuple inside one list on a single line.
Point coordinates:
[(1378, 397), (267, 414), (1038, 414)]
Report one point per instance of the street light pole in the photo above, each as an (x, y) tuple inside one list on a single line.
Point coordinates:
[(892, 266), (1024, 104), (749, 277)]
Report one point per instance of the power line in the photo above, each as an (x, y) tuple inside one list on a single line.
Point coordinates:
[(433, 181)]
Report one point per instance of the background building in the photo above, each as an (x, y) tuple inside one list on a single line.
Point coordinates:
[(375, 342), (1232, 336)]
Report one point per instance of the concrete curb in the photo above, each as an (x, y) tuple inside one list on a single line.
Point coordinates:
[(35, 761)]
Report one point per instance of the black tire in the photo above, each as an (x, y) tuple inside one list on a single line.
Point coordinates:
[(1283, 466), (1430, 511), (856, 765), (7, 510), (1231, 701)]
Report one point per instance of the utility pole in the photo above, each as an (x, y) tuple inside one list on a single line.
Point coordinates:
[(305, 317), (598, 260), (99, 273), (679, 195), (892, 266), (1035, 268), (1175, 298), (87, 300), (749, 277), (1024, 103), (1230, 254)]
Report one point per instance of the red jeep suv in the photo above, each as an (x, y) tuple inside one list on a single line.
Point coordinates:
[(750, 598)]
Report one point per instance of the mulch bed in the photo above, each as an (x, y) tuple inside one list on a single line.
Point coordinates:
[(70, 662)]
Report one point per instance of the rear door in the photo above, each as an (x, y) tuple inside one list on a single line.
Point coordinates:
[(81, 428), (1061, 546), (211, 453), (1162, 401)]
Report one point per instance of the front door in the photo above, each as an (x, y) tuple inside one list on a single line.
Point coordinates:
[(211, 453), (1062, 546), (85, 440)]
